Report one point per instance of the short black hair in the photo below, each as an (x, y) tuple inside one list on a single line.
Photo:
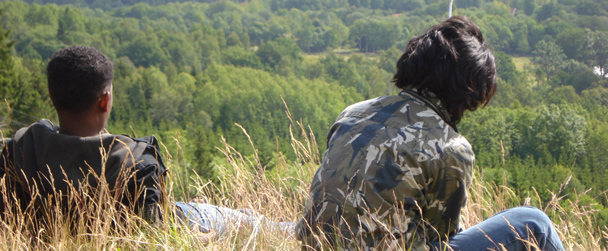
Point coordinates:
[(77, 76), (452, 61)]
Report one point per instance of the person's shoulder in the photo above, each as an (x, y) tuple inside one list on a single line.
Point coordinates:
[(145, 151), (128, 140), (7, 145), (151, 154), (137, 146), (150, 140), (455, 140), (41, 125), (458, 147), (384, 104), (374, 102)]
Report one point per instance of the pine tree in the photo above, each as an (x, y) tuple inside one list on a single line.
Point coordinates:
[(6, 57), (21, 89), (7, 73)]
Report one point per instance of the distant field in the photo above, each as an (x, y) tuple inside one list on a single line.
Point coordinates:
[(346, 53), (520, 62)]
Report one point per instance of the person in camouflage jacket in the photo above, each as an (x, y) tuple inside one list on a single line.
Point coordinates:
[(397, 151), (395, 172)]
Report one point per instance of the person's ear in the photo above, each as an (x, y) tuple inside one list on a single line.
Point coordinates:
[(104, 101)]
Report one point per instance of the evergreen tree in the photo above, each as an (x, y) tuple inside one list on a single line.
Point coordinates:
[(529, 6), (7, 73), (6, 57)]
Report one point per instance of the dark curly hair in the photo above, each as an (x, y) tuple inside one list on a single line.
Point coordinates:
[(77, 76), (452, 61)]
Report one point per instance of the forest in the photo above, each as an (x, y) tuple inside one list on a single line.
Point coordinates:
[(196, 72)]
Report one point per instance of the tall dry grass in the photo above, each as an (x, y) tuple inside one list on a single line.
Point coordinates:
[(279, 194)]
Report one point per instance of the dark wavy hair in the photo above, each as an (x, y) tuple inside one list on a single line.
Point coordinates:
[(452, 61), (77, 76)]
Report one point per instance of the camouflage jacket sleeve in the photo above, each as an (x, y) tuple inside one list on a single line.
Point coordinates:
[(448, 192)]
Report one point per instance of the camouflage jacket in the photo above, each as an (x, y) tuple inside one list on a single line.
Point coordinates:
[(394, 176)]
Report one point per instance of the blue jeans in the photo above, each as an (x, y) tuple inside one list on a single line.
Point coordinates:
[(512, 229), (207, 217)]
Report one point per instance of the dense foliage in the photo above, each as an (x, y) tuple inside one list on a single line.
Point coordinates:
[(188, 71)]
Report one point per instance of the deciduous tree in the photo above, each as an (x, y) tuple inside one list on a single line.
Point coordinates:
[(549, 57)]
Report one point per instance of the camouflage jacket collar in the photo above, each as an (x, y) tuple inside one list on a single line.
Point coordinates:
[(430, 99)]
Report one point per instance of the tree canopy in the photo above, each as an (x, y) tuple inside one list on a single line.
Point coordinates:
[(190, 71)]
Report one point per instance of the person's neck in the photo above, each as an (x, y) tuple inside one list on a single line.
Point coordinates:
[(81, 125)]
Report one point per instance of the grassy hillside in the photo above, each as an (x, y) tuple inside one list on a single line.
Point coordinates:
[(194, 72), (279, 195)]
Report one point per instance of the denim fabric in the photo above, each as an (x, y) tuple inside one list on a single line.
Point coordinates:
[(512, 229), (207, 217)]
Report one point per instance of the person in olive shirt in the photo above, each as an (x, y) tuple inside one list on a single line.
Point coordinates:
[(44, 164), (396, 170)]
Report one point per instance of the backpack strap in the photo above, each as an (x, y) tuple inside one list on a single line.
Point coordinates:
[(152, 150)]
